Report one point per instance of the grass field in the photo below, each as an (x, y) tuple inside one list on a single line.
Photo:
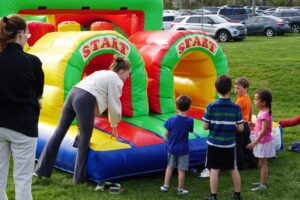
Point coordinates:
[(267, 62)]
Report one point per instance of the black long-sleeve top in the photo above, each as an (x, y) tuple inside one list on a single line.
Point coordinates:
[(21, 85)]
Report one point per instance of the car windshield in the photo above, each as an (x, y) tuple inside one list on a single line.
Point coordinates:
[(168, 18), (217, 19)]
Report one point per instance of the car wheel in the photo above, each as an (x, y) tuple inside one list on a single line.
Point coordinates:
[(269, 32), (295, 28), (223, 36)]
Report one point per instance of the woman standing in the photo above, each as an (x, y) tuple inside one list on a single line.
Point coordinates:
[(21, 87), (103, 88)]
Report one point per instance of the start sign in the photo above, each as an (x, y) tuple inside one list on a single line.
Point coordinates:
[(104, 43), (196, 41)]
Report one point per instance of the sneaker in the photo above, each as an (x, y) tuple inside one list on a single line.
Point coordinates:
[(182, 191), (164, 188), (259, 188), (235, 197), (204, 173), (210, 198), (34, 174), (256, 184)]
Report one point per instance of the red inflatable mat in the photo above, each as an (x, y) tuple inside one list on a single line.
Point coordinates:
[(133, 134)]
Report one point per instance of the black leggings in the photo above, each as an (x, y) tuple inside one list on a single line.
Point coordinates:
[(80, 104)]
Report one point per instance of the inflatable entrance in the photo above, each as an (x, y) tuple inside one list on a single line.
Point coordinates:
[(180, 60)]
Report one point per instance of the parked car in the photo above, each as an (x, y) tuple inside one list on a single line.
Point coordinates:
[(173, 12), (201, 11), (291, 16), (269, 11), (262, 8), (185, 12), (287, 13), (213, 25), (167, 20), (268, 25), (213, 10), (233, 12), (282, 8), (250, 13), (294, 22)]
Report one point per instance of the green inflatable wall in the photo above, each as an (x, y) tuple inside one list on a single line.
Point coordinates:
[(152, 9)]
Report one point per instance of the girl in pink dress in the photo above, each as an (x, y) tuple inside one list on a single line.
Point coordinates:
[(263, 145)]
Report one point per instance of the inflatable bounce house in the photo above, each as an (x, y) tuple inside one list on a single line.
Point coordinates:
[(75, 38)]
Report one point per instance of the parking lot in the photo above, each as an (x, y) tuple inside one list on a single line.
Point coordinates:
[(234, 23)]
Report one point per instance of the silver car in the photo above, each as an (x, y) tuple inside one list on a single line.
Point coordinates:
[(214, 25)]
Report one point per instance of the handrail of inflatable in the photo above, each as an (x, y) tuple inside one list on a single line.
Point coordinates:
[(152, 9)]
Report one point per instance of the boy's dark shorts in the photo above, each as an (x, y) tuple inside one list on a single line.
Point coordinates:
[(220, 158)]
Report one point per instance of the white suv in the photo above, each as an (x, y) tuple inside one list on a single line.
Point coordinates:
[(214, 25)]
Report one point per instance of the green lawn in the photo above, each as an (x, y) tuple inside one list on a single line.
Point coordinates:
[(267, 62)]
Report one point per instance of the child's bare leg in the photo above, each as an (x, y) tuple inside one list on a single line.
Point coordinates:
[(213, 180), (181, 177), (236, 179), (263, 162), (168, 175)]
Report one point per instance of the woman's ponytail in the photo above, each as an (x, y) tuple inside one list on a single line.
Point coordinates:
[(119, 64), (9, 28), (3, 34)]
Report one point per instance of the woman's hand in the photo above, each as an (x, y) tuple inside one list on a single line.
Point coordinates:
[(96, 110), (251, 145), (251, 126), (115, 133)]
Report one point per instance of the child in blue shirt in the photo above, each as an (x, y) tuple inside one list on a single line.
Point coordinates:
[(178, 128)]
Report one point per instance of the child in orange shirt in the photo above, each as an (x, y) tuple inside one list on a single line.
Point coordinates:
[(242, 139)]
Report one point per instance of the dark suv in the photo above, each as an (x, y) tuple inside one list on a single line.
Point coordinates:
[(287, 13), (233, 12)]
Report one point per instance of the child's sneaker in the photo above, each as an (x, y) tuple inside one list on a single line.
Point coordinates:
[(236, 197), (210, 198), (205, 173), (259, 188), (164, 188), (182, 191)]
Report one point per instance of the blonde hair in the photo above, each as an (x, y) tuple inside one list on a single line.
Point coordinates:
[(10, 26)]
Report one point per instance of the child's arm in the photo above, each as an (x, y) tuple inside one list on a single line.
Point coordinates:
[(290, 122), (250, 117), (205, 125), (167, 134), (265, 125), (251, 126), (240, 127)]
